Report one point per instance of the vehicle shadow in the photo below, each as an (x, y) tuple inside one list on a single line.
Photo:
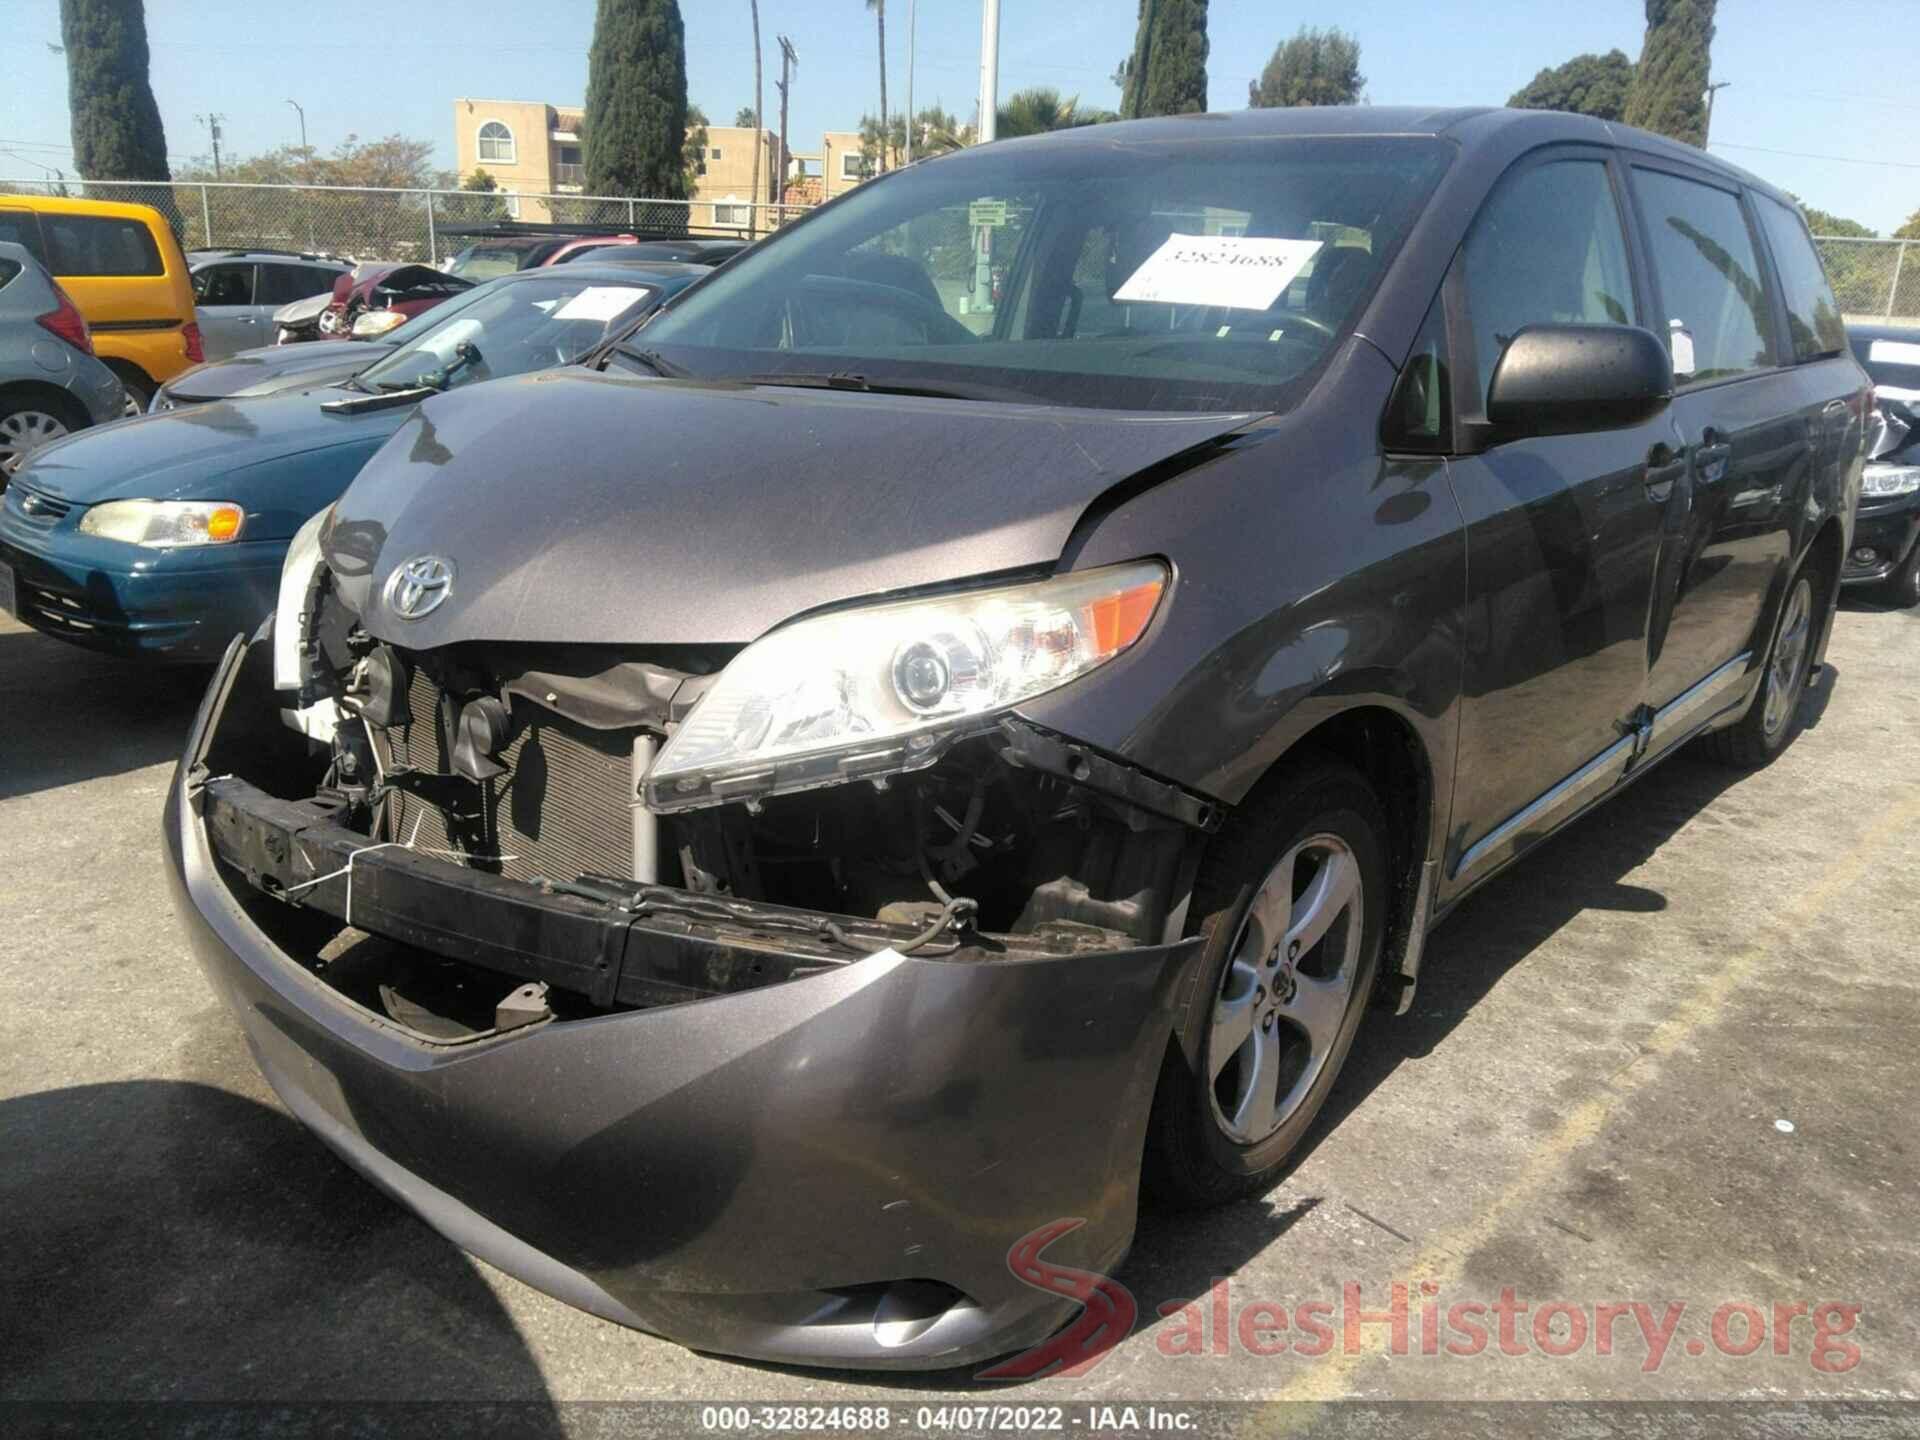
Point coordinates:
[(171, 1242), (68, 715)]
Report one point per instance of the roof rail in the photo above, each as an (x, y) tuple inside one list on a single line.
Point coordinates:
[(505, 229), (267, 250)]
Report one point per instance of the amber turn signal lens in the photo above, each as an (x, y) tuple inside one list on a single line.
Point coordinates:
[(1120, 619), (223, 524)]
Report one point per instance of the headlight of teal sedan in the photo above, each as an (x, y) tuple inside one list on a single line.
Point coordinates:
[(166, 524)]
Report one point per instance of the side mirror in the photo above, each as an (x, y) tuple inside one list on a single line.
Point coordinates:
[(1561, 379)]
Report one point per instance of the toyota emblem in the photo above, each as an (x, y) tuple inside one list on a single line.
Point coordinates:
[(419, 587)]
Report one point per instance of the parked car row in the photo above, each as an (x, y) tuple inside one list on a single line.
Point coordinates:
[(957, 720)]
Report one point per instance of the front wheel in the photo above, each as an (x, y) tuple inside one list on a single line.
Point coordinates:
[(1292, 900), (1903, 586)]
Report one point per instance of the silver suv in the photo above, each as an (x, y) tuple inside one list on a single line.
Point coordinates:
[(235, 292)]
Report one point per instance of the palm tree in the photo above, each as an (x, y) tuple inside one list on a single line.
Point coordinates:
[(879, 8), (1035, 111)]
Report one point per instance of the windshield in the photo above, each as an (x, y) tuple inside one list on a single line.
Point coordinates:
[(1192, 275), (487, 262), (550, 318)]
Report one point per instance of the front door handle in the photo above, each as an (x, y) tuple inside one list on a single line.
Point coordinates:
[(1664, 466)]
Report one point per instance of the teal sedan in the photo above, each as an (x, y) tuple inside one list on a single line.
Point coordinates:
[(162, 536)]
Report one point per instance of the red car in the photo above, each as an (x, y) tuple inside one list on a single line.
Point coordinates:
[(401, 290)]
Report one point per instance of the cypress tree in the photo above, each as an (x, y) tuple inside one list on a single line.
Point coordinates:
[(1589, 84), (1670, 85), (1167, 74), (637, 100), (117, 134)]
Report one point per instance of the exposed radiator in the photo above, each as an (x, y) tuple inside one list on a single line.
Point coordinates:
[(562, 810)]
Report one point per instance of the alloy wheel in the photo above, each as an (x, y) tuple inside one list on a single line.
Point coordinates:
[(1287, 988), (22, 433), (1785, 670)]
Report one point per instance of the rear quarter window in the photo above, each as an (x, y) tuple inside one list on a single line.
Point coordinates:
[(1813, 315), (90, 245)]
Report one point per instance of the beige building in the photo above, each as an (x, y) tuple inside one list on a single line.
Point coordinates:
[(533, 149)]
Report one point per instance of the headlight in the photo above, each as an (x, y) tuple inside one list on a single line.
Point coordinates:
[(372, 324), (289, 612), (166, 524), (1880, 480), (882, 689)]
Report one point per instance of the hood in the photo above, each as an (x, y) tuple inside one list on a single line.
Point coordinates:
[(272, 455), (588, 507), (273, 368)]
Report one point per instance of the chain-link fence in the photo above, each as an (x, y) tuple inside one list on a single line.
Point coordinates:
[(368, 224), (1873, 279)]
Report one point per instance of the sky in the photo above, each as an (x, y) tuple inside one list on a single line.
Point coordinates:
[(1807, 108)]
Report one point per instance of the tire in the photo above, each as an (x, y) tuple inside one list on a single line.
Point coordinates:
[(139, 389), (1211, 1138), (29, 421), (1903, 586), (1773, 719)]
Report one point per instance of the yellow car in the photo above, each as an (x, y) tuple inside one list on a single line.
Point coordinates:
[(124, 269)]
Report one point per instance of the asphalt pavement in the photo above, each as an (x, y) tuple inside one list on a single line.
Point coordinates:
[(1667, 1061)]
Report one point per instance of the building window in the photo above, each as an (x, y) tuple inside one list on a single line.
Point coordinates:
[(496, 143), (853, 165), (732, 212), (714, 154)]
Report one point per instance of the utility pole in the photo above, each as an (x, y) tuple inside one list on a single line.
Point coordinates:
[(212, 122), (1717, 85), (788, 59), (910, 6), (759, 128), (989, 69)]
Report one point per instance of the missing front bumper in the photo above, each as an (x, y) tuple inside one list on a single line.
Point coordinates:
[(764, 1171)]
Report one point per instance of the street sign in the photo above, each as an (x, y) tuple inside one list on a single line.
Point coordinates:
[(987, 212)]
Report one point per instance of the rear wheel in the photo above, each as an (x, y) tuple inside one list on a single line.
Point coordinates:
[(27, 423), (135, 382), (1292, 899), (1774, 717)]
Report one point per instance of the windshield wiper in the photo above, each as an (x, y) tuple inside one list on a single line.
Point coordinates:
[(847, 380), (465, 354), (653, 360)]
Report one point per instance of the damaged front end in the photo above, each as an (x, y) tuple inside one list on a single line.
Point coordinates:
[(715, 1007)]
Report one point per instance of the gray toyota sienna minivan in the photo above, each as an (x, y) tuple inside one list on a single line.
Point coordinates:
[(763, 834)]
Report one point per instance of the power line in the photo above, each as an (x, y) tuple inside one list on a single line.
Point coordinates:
[(1806, 155)]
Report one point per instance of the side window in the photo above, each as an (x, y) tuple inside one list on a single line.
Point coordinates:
[(1548, 249), (1813, 315), (223, 285), (281, 284), (87, 245), (1717, 318), (18, 227)]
